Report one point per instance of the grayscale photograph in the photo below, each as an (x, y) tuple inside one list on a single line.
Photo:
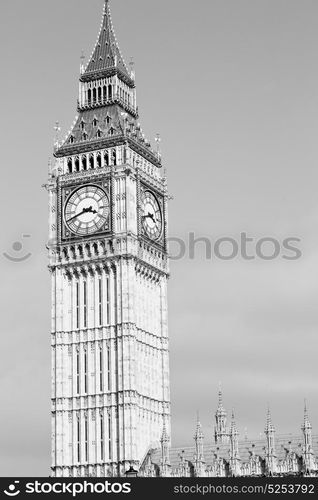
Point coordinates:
[(159, 256)]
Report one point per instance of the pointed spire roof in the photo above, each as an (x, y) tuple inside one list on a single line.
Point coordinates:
[(269, 424), (220, 409), (106, 55), (164, 436), (198, 432), (306, 424), (233, 429)]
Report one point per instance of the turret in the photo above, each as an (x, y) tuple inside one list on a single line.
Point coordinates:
[(221, 434), (199, 463), (270, 450), (165, 467), (308, 455), (235, 462)]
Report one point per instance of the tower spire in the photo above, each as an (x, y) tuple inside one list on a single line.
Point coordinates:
[(308, 450), (106, 55), (270, 448), (199, 451), (165, 448), (221, 431), (234, 448)]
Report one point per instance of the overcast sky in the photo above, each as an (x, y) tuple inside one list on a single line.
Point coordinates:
[(232, 86)]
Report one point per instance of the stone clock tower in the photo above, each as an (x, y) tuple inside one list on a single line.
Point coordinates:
[(109, 268)]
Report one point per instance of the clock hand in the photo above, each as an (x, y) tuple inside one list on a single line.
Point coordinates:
[(75, 216), (88, 210), (151, 216)]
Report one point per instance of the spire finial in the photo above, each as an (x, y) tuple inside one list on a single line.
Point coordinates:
[(57, 129), (233, 428), (220, 395), (306, 416), (158, 141), (269, 423), (82, 66), (198, 433), (132, 68)]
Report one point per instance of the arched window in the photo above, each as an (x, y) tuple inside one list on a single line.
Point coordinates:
[(99, 160), (111, 131), (110, 92), (99, 94), (91, 161), (71, 140), (108, 119), (69, 165), (84, 162), (94, 96), (114, 157), (104, 92), (99, 133), (85, 136), (95, 122), (106, 158), (89, 96), (77, 164)]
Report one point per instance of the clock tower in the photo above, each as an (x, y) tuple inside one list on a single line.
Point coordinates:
[(109, 266)]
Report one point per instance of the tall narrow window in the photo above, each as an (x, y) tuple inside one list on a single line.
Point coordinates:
[(106, 158), (107, 300), (77, 305), (114, 155), (78, 439), (101, 369), (108, 369), (85, 304), (70, 165), (91, 161), (110, 92), (84, 162), (109, 437), (100, 302), (102, 438), (85, 371), (89, 96), (86, 438), (78, 368)]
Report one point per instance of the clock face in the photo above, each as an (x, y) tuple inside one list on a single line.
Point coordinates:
[(151, 216), (87, 210)]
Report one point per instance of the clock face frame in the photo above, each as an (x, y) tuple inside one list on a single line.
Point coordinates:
[(151, 215), (86, 211)]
